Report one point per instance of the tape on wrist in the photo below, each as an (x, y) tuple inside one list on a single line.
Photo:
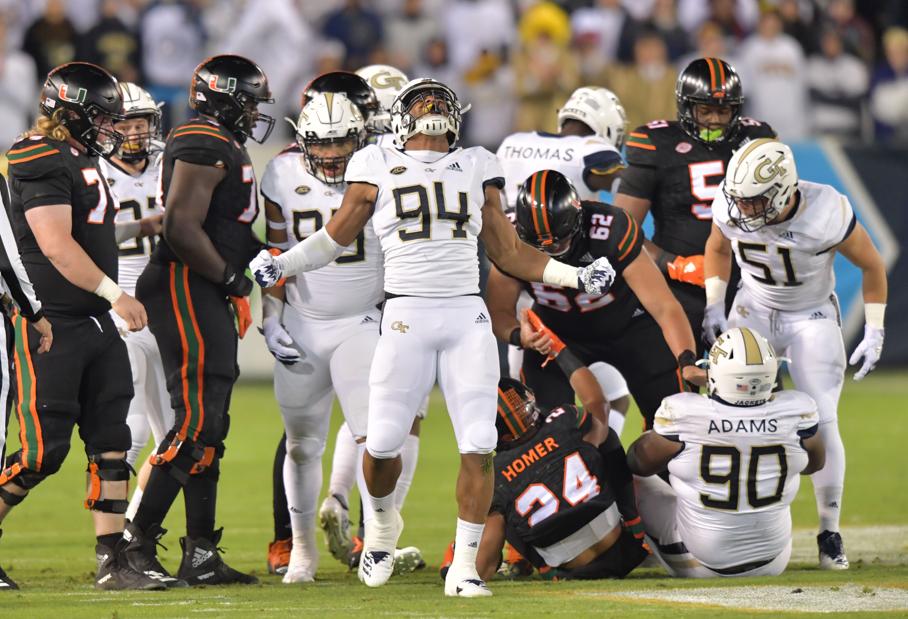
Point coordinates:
[(715, 289), (109, 290), (873, 314), (559, 274)]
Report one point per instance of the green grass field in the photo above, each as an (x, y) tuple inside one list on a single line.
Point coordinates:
[(48, 544)]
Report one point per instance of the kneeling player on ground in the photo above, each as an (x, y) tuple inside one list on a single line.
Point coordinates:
[(563, 496), (734, 461)]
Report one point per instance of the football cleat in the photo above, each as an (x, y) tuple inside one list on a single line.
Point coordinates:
[(514, 564), (465, 583), (376, 564), (114, 575), (303, 561), (334, 520), (138, 551), (446, 561), (408, 560), (202, 564), (6, 582), (279, 555), (356, 553), (832, 551)]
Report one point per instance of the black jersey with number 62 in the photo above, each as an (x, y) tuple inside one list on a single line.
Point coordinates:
[(680, 176), (46, 172), (552, 485)]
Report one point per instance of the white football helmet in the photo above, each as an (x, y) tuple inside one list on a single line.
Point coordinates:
[(387, 82), (763, 175), (742, 368), (440, 112), (329, 118), (599, 109), (137, 103)]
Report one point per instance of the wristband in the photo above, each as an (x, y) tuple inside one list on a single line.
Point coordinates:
[(560, 274), (235, 284), (687, 358), (514, 338), (109, 290), (873, 314), (568, 362), (664, 258), (715, 289)]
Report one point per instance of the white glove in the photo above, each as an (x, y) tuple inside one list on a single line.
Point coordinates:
[(714, 322), (598, 277), (871, 347), (279, 342), (266, 270)]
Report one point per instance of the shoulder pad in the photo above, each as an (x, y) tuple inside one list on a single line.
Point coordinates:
[(33, 158), (753, 129)]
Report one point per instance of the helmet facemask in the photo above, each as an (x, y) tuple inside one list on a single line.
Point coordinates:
[(518, 413), (430, 108), (97, 133), (330, 167), (752, 213), (250, 122), (137, 138), (690, 117)]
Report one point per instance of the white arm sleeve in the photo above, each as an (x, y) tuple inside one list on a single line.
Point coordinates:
[(313, 253)]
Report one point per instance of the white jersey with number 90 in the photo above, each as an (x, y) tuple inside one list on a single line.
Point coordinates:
[(428, 215)]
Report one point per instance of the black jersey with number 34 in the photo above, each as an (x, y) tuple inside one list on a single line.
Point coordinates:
[(46, 172), (680, 176), (549, 487), (607, 231)]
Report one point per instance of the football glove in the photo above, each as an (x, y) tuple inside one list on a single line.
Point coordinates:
[(266, 270), (714, 322), (870, 348), (687, 269), (278, 341), (539, 326), (598, 277), (242, 313)]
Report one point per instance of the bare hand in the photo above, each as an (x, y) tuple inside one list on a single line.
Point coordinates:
[(130, 310), (43, 327), (695, 375), (152, 225), (539, 341)]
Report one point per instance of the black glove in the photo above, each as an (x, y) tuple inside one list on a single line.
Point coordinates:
[(235, 284)]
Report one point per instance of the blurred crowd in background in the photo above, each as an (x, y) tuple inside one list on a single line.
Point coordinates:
[(809, 67)]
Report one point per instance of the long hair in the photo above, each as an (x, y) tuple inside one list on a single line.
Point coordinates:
[(50, 127)]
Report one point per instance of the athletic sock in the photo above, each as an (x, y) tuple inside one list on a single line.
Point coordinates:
[(200, 496), (302, 482), (343, 463), (829, 507), (383, 511), (134, 504), (409, 456), (160, 493), (279, 508), (466, 545), (110, 540), (365, 507)]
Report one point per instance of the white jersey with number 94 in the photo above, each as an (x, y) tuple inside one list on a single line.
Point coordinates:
[(428, 215)]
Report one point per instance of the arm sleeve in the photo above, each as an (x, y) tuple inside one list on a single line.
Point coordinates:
[(15, 278)]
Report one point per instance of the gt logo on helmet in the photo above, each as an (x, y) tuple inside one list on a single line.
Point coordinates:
[(385, 79), (773, 169), (213, 84), (81, 93)]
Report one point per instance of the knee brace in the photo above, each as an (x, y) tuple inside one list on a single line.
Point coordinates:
[(101, 470), (11, 499), (183, 457)]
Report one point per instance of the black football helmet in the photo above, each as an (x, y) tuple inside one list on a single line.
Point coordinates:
[(709, 81), (548, 212), (91, 103), (230, 88), (517, 413), (353, 86)]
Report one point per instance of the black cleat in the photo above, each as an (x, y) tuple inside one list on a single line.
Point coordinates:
[(138, 551), (832, 551), (202, 564), (116, 576), (5, 581)]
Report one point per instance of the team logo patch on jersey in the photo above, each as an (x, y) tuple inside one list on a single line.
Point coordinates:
[(684, 147), (399, 325), (302, 190), (398, 169)]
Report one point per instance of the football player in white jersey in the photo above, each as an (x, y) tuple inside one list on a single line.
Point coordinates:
[(734, 460), (428, 204), (586, 150), (784, 234), (133, 176)]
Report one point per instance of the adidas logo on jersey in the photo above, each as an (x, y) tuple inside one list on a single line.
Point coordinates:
[(788, 235), (481, 319), (817, 316), (455, 166), (367, 320)]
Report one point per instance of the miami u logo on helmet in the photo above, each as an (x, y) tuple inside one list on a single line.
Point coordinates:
[(81, 93), (214, 84)]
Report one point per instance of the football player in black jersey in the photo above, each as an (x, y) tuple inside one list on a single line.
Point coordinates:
[(63, 217), (193, 278), (637, 326), (674, 168), (563, 496)]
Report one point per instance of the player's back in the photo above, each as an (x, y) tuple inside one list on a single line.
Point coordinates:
[(789, 265), (234, 202), (428, 215), (522, 154), (136, 195), (737, 474), (353, 282), (45, 172)]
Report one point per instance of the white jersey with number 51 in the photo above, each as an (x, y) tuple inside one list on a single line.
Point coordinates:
[(428, 215)]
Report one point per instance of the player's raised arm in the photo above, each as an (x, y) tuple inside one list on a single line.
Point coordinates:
[(716, 271), (860, 251)]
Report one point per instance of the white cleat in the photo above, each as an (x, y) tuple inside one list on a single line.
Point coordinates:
[(466, 584), (408, 560), (295, 575), (303, 562), (334, 519), (377, 562)]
